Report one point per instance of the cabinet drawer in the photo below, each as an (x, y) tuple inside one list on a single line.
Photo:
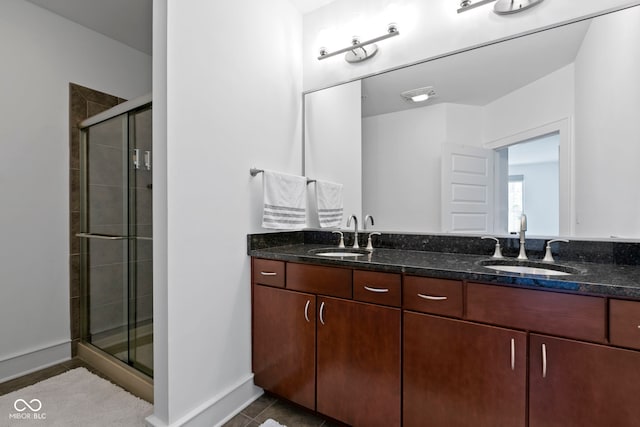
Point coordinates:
[(318, 279), (573, 316), (624, 323), (437, 296), (377, 288), (268, 272)]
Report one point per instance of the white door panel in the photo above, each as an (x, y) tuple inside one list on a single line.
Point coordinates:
[(467, 194)]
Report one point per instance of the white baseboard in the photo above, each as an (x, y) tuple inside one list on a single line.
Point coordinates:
[(217, 410), (21, 364)]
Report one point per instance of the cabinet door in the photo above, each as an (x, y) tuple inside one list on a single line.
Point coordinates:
[(358, 363), (579, 384), (460, 374), (284, 343)]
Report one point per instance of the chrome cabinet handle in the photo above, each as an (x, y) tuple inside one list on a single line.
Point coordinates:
[(432, 298), (322, 312), (544, 361), (306, 311), (378, 290), (268, 273), (513, 354)]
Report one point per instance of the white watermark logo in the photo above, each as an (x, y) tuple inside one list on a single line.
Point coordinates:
[(21, 405), (28, 410)]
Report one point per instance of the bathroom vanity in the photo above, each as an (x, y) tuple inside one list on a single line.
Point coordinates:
[(416, 337)]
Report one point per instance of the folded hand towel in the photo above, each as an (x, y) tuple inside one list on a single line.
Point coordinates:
[(330, 203), (285, 201)]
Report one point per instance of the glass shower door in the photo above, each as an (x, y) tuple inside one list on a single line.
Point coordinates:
[(104, 226), (140, 243), (116, 227)]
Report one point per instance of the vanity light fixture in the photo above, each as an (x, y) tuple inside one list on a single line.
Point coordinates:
[(357, 51), (419, 95), (501, 7)]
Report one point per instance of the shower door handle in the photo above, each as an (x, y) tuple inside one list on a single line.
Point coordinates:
[(100, 236), (147, 160), (136, 158)]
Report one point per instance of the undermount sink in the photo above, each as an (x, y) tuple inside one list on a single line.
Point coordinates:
[(530, 267), (339, 252)]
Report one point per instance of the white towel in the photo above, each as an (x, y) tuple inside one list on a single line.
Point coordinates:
[(285, 201), (330, 203)]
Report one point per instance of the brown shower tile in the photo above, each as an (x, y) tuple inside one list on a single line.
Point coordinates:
[(74, 194), (96, 96), (74, 148), (75, 317), (74, 271), (77, 106), (74, 226), (94, 108)]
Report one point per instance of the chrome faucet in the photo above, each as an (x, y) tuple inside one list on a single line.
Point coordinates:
[(355, 230), (523, 229), (548, 256), (368, 217)]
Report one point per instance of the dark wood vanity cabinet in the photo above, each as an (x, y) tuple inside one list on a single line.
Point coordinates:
[(358, 368), (578, 384), (461, 374), (315, 346), (284, 342), (382, 349)]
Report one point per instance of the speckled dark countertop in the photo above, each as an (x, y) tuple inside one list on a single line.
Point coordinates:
[(602, 279)]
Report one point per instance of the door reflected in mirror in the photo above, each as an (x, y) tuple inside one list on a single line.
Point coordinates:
[(533, 184)]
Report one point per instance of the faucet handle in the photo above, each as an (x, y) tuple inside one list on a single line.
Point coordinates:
[(341, 243), (548, 257), (497, 253), (369, 244)]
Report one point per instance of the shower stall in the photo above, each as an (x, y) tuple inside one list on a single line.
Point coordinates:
[(116, 235)]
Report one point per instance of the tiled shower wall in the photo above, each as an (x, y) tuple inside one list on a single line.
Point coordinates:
[(83, 103)]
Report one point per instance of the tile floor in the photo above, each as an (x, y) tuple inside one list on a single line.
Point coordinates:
[(265, 407), (43, 374), (268, 406)]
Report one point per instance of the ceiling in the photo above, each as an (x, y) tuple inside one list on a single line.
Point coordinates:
[(127, 21)]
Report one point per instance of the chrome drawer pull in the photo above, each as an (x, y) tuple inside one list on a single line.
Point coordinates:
[(544, 361), (432, 298), (268, 273), (322, 313), (306, 311), (513, 354), (378, 290)]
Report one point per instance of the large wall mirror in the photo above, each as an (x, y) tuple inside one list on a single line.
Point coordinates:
[(547, 124)]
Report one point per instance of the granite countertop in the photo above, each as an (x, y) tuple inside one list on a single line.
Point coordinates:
[(610, 280)]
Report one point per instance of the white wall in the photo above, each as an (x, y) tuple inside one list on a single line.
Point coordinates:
[(544, 101), (41, 53), (333, 149), (607, 127), (427, 29), (401, 168), (541, 197), (233, 101)]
